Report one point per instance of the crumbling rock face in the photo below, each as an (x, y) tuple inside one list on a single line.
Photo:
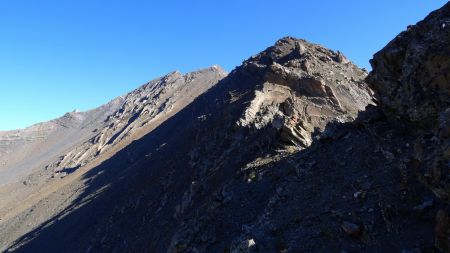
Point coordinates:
[(304, 87), (277, 106), (411, 77)]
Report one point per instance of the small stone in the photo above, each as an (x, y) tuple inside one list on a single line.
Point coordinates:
[(251, 243), (340, 58), (359, 195), (425, 205), (351, 229), (416, 250)]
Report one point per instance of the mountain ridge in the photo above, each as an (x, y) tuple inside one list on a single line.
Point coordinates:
[(295, 150), (211, 122), (43, 171), (91, 120)]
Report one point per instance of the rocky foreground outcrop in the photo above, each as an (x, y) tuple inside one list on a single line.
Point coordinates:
[(411, 78)]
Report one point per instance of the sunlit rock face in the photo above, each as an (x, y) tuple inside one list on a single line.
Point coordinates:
[(303, 87)]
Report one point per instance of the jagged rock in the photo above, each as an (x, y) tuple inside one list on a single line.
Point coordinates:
[(351, 229), (411, 74), (304, 87), (411, 77)]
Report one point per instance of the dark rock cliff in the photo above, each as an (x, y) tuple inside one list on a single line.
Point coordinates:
[(411, 77)]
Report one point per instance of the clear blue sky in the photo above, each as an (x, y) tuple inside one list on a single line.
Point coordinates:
[(61, 55)]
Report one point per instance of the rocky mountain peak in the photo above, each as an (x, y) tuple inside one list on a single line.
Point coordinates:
[(302, 87), (291, 51), (411, 75), (216, 68)]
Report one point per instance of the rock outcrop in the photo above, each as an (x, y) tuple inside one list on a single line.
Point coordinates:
[(303, 88), (278, 100), (77, 138), (411, 77), (411, 74)]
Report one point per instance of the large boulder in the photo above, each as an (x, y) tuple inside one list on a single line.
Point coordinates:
[(411, 75)]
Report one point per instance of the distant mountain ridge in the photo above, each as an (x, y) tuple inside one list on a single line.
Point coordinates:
[(36, 158), (92, 130)]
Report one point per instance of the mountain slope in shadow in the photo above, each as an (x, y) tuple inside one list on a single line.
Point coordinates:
[(42, 158)]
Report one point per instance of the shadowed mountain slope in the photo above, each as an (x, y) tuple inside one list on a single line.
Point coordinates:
[(38, 159)]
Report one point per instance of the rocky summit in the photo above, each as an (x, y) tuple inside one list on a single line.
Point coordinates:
[(295, 150), (301, 88)]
